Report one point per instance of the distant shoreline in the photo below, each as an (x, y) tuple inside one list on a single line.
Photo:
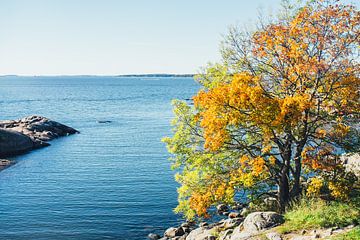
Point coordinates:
[(121, 75)]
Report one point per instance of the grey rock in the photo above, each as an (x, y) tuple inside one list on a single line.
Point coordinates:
[(237, 206), (174, 232), (12, 143), (153, 236), (226, 235), (317, 236), (222, 208), (231, 223), (203, 224), (273, 236), (300, 238), (352, 163), (257, 221), (201, 233)]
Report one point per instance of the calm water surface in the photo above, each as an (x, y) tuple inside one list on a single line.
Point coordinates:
[(112, 181)]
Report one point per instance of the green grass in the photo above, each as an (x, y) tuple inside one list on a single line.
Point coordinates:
[(315, 213), (354, 234)]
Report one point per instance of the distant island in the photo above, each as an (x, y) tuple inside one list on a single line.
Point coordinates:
[(157, 75), (121, 75)]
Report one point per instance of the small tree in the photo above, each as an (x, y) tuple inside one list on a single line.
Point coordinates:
[(285, 97)]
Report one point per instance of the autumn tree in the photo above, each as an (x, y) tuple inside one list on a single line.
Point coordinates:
[(284, 98)]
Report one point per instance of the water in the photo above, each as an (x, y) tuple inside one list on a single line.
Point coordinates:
[(112, 181)]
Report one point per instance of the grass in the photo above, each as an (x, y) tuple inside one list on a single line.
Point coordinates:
[(354, 234), (316, 213)]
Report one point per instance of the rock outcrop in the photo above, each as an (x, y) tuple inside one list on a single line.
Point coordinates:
[(23, 135), (256, 226)]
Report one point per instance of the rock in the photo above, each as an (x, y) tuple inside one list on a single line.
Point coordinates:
[(317, 235), (183, 237), (4, 163), (226, 235), (271, 203), (188, 227), (256, 222), (104, 121), (174, 232), (203, 224), (201, 233), (231, 223), (352, 163), (153, 236), (273, 236), (19, 136), (12, 143), (234, 215), (300, 238), (222, 208), (237, 206)]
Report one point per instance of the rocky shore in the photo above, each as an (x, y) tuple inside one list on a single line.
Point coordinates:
[(255, 226), (26, 134)]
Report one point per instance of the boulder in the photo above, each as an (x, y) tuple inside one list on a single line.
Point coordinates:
[(201, 233), (203, 224), (174, 232), (352, 163), (153, 236), (256, 222), (234, 215), (222, 208)]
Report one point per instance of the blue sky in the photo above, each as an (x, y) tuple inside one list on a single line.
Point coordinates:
[(107, 37)]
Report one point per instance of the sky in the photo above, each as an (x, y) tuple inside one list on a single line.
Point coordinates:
[(110, 37)]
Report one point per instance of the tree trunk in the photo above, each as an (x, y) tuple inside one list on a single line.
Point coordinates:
[(284, 193), (296, 190)]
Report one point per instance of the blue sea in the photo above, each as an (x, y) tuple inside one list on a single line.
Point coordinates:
[(111, 181)]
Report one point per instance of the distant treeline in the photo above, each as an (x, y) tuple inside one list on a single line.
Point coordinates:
[(156, 75)]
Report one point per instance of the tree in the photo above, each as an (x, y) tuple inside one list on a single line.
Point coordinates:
[(284, 98)]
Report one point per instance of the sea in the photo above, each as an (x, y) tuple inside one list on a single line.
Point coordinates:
[(111, 181)]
